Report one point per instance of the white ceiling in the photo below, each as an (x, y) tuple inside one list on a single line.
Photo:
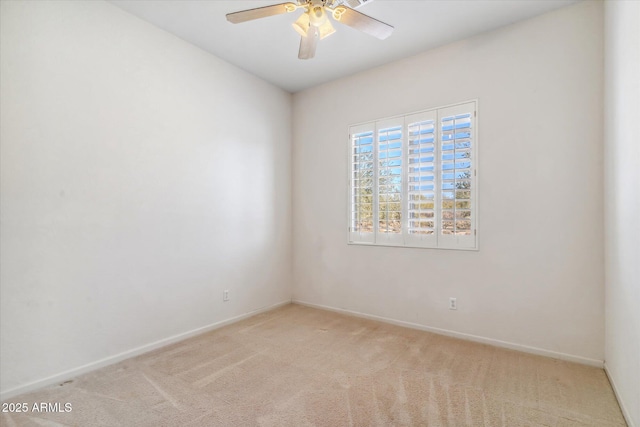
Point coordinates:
[(268, 47)]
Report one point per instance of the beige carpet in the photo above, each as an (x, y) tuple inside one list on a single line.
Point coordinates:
[(298, 366)]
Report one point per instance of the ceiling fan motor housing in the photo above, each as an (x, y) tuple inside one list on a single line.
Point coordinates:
[(354, 4)]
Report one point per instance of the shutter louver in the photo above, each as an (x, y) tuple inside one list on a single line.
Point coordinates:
[(389, 171), (362, 183), (457, 180), (421, 190)]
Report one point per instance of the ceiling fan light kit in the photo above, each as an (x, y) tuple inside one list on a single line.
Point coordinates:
[(314, 24), (302, 25)]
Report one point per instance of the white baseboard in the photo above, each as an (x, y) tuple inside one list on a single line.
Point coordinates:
[(461, 335), (625, 412), (72, 373)]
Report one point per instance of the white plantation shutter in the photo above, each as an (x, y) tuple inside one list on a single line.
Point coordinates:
[(389, 173), (421, 179), (457, 176), (413, 180), (362, 183)]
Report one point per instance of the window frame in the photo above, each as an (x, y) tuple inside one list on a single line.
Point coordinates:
[(437, 240)]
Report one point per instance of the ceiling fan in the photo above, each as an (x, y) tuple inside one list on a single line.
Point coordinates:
[(314, 24)]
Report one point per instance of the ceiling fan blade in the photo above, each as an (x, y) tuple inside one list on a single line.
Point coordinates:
[(260, 12), (308, 44), (362, 22)]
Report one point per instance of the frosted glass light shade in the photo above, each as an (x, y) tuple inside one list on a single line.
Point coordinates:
[(326, 29), (302, 24)]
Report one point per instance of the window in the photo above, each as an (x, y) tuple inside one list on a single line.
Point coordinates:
[(413, 180)]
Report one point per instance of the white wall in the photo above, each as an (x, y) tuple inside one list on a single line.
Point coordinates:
[(141, 176), (538, 277), (622, 202)]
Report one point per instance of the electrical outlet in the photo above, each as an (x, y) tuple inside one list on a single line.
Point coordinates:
[(453, 305), (225, 295)]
